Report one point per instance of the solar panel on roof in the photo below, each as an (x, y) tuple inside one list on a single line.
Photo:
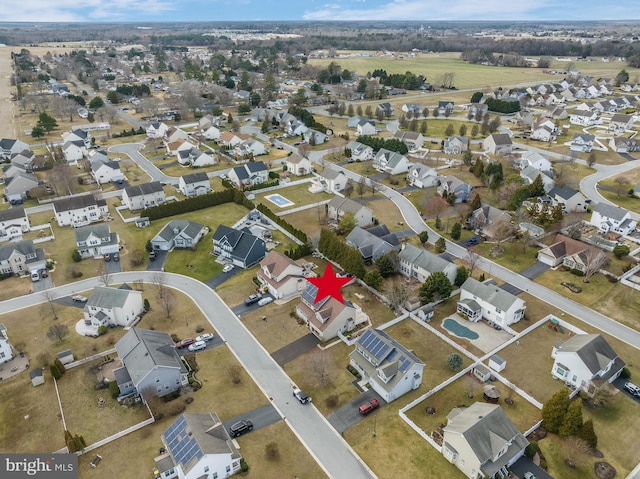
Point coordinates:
[(309, 294), (182, 446), (404, 363), (376, 346)]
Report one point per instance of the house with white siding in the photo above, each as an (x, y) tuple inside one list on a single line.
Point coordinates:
[(6, 350), (498, 144), (298, 165), (143, 196), (340, 206), (13, 223), (610, 218), (484, 300), (329, 181), (178, 234), (10, 147), (359, 151), (79, 210), (419, 264), (281, 276), (390, 162), (422, 176), (94, 241), (194, 184), (113, 307)]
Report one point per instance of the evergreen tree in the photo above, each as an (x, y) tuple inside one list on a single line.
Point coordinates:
[(456, 231), (476, 203), (554, 410), (265, 126), (385, 266), (467, 157), (441, 245), (423, 237), (588, 434), (572, 422), (454, 361), (373, 279), (461, 276), (46, 122), (537, 187), (478, 168), (556, 215), (435, 288)]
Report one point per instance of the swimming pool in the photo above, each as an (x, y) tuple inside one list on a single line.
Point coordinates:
[(279, 200), (458, 329)]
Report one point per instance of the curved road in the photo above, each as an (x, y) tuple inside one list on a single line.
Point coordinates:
[(331, 452)]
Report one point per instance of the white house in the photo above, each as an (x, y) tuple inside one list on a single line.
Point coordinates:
[(329, 181), (13, 223), (534, 159), (112, 307), (544, 130), (569, 199), (107, 172), (586, 361), (339, 206), (585, 118), (298, 165), (366, 127), (94, 241), (281, 276), (10, 147), (419, 264), (422, 176), (156, 129), (481, 441), (612, 218), (78, 134), (79, 210), (198, 446), (174, 134), (390, 368), (142, 196), (359, 151), (73, 151), (209, 127), (620, 123), (390, 162), (455, 145), (249, 147), (453, 185), (196, 158), (412, 139), (498, 144), (6, 351), (486, 301), (249, 174), (582, 142), (194, 184), (178, 234), (529, 175)]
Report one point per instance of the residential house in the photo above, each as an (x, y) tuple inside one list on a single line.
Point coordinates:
[(156, 129), (456, 145), (620, 123), (556, 112), (352, 122), (298, 165), (534, 159), (624, 145), (329, 181), (194, 184), (97, 155), (386, 109), (477, 109), (586, 362), (178, 234), (484, 218), (249, 174), (414, 108), (373, 242), (484, 300), (498, 144), (94, 241), (17, 187), (544, 130), (314, 137), (113, 307), (175, 147), (585, 118), (21, 257), (481, 441), (231, 139), (565, 248), (328, 316), (209, 127), (280, 276), (412, 139), (529, 174), (107, 172), (366, 127), (582, 142), (609, 218), (238, 247), (339, 206), (524, 119), (73, 151), (143, 196), (196, 158), (78, 134), (571, 201), (419, 264), (13, 223), (445, 108), (453, 185), (6, 351), (391, 369), (197, 446), (422, 176), (25, 160), (359, 151), (151, 364), (390, 162), (10, 147), (174, 134), (37, 377), (79, 210), (249, 148)]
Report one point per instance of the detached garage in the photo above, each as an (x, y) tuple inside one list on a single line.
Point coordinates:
[(37, 378)]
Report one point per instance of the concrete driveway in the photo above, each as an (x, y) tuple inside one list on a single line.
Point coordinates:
[(158, 263), (112, 266), (261, 417), (619, 384), (221, 277), (524, 464), (348, 416), (297, 348), (214, 343), (44, 283), (535, 270)]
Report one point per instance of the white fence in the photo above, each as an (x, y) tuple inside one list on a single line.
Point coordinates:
[(43, 239), (80, 362), (117, 435), (302, 208)]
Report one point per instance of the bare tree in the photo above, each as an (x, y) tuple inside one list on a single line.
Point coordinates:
[(501, 229), (397, 294), (150, 105), (321, 367), (50, 297), (159, 279), (138, 284), (57, 331), (592, 159), (65, 108), (105, 276), (304, 150), (472, 259), (64, 178), (575, 450), (168, 302), (594, 261), (622, 185), (435, 206), (361, 186), (235, 373)]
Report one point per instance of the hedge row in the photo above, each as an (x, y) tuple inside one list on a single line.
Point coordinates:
[(301, 235), (337, 250), (198, 203)]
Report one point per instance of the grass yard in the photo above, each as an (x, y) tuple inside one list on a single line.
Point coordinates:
[(623, 200), (235, 290), (377, 311), (513, 257), (199, 264), (299, 195), (387, 213), (278, 329), (362, 168), (82, 413), (307, 222)]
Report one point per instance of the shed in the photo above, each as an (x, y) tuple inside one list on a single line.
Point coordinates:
[(37, 378), (66, 356), (497, 363), (482, 372), (142, 222)]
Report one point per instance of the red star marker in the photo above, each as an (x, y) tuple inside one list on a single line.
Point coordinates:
[(329, 285)]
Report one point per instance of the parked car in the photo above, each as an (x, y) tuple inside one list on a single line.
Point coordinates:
[(107, 257), (529, 475), (632, 388), (44, 273), (185, 342), (152, 256), (205, 337), (254, 298), (35, 276), (78, 298), (227, 268), (472, 241), (301, 396), (265, 301), (240, 428), (197, 346), (369, 406), (116, 257)]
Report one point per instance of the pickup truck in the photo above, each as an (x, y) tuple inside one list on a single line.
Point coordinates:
[(369, 406), (301, 396)]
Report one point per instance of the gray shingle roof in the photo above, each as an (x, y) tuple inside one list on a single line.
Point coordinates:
[(144, 189), (74, 203), (423, 259), (101, 231), (594, 351), (188, 228), (25, 247), (610, 211), (490, 293), (12, 214), (195, 177), (108, 298)]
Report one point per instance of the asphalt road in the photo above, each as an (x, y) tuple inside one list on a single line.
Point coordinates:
[(333, 454), (132, 150)]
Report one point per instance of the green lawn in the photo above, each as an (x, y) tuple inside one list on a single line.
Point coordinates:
[(514, 257), (278, 328)]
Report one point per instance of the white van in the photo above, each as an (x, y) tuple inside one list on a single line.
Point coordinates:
[(35, 276), (265, 301)]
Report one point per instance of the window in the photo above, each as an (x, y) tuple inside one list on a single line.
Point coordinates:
[(157, 380), (228, 468), (462, 462), (560, 371), (215, 475), (206, 468)]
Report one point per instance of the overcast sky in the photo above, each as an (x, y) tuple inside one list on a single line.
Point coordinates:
[(215, 10)]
